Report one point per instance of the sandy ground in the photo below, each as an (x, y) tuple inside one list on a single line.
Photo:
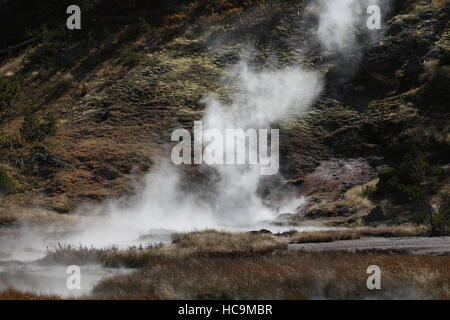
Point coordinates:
[(413, 245)]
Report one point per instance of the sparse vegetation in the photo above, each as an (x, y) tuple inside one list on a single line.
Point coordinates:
[(411, 182), (151, 33), (369, 192), (130, 57), (281, 275), (133, 257), (46, 53), (198, 244), (438, 220), (404, 230), (324, 236), (12, 294), (434, 93), (284, 275), (211, 264), (442, 216), (210, 243), (10, 88), (356, 233), (214, 243), (7, 184), (7, 220), (34, 129)]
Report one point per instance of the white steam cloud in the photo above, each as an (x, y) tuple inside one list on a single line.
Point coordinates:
[(262, 98), (162, 204), (339, 21)]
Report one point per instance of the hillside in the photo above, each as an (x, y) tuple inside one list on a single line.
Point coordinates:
[(134, 73)]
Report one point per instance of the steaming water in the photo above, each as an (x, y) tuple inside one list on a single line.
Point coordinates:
[(18, 256), (51, 280)]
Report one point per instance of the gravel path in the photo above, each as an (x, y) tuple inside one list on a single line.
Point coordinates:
[(413, 245)]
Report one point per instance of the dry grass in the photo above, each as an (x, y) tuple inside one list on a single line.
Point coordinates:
[(285, 275), (356, 233), (324, 236), (6, 220), (133, 257), (212, 243), (405, 230), (196, 244), (219, 265), (12, 294), (353, 198)]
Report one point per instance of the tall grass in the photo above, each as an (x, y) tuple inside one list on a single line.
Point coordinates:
[(285, 275), (197, 244), (12, 294), (211, 243)]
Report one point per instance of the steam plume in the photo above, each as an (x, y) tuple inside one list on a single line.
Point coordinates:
[(262, 98)]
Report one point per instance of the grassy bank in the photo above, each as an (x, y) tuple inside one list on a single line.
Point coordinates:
[(255, 265), (285, 275), (12, 294), (211, 244), (357, 233), (204, 244)]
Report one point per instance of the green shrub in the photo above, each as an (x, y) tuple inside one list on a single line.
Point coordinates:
[(412, 181), (46, 54), (369, 192), (151, 33), (422, 214), (435, 91), (439, 220), (34, 129), (7, 184), (9, 90), (129, 57)]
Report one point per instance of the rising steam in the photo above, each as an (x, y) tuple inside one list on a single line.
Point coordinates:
[(262, 98), (339, 21)]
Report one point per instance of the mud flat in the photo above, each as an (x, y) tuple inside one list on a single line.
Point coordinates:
[(413, 245)]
